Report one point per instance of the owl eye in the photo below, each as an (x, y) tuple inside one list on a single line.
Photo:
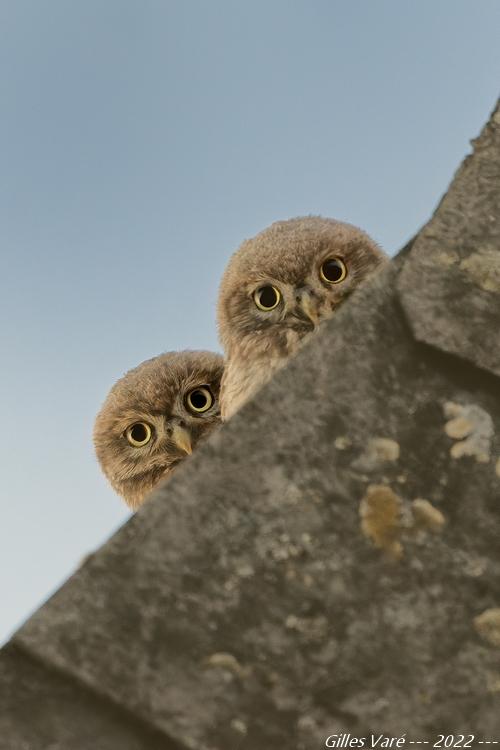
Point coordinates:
[(267, 297), (199, 400), (333, 271), (138, 434)]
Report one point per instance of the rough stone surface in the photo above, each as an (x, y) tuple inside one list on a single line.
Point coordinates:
[(329, 560), (450, 285), (42, 709)]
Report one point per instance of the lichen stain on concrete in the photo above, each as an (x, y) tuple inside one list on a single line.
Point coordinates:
[(458, 428), (384, 449), (483, 268), (446, 259), (226, 661), (380, 511), (487, 625), (314, 628), (377, 452), (426, 516), (472, 426), (474, 566), (342, 442), (239, 726)]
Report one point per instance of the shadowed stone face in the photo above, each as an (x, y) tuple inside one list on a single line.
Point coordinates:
[(450, 285)]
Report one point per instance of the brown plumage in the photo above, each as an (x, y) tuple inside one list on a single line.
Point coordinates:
[(154, 416), (276, 290)]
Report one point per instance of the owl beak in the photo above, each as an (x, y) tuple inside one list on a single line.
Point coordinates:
[(182, 439), (307, 306)]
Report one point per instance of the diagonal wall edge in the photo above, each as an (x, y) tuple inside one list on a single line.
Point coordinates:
[(329, 560)]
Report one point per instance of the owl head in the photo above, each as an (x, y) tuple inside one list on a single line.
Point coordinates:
[(154, 416), (282, 283)]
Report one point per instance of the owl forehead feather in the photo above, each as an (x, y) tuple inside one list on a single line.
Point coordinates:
[(154, 384), (286, 249)]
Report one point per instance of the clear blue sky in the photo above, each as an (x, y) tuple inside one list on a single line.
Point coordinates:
[(140, 142)]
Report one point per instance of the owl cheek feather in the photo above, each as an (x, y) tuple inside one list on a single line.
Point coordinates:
[(292, 340)]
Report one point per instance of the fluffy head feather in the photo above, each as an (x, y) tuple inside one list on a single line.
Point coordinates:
[(155, 394)]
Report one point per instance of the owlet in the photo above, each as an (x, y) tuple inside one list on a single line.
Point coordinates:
[(154, 416), (276, 290)]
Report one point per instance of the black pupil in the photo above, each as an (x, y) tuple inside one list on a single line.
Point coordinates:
[(139, 433), (199, 399), (332, 270), (268, 296)]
